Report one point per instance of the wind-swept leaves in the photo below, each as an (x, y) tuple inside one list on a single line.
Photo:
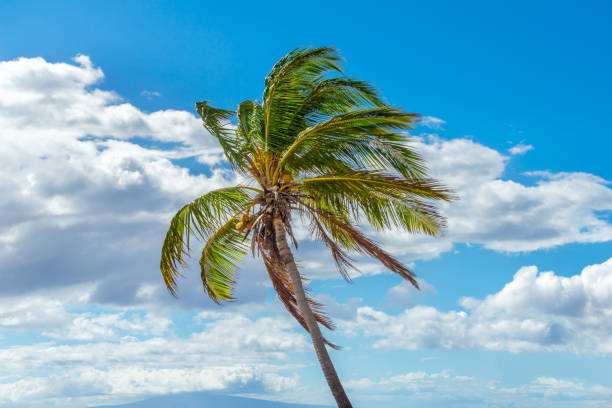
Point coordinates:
[(250, 124), (359, 139), (217, 122), (223, 250), (289, 82), (385, 200), (343, 234), (202, 217)]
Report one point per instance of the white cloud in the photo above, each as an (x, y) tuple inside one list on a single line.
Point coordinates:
[(89, 185), (445, 389), (80, 199), (432, 122), (554, 387), (535, 312), (520, 149), (110, 326), (404, 294), (412, 381), (51, 101), (42, 309), (231, 352), (502, 214), (86, 386)]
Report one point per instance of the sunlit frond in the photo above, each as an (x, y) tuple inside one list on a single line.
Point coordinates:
[(351, 238), (290, 80), (360, 139), (223, 250), (329, 97), (217, 122), (200, 218), (385, 200), (250, 125)]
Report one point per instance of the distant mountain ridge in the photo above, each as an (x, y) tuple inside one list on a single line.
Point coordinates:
[(207, 400)]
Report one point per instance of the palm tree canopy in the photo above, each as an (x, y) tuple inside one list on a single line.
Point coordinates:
[(322, 146)]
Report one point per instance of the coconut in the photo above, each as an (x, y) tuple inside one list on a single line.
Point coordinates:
[(287, 178)]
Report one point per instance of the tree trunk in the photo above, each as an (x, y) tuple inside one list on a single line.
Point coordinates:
[(315, 333)]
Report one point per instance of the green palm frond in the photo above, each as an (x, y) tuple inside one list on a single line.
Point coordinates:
[(290, 80), (385, 200), (344, 236), (223, 250), (330, 97), (202, 218), (250, 125), (217, 122), (365, 138), (332, 155)]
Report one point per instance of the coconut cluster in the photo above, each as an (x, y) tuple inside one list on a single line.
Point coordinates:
[(245, 222)]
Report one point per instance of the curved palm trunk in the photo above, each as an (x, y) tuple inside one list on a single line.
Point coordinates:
[(315, 333)]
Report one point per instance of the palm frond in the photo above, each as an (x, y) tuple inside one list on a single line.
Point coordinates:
[(333, 239), (289, 82), (223, 250), (250, 125), (385, 200), (346, 234), (217, 122), (328, 148), (329, 97), (359, 139), (202, 218)]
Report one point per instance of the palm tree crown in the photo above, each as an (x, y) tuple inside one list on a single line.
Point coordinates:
[(325, 147)]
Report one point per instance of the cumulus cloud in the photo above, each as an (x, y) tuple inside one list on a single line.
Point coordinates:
[(42, 309), (505, 215), (91, 326), (90, 182), (536, 311), (86, 386), (54, 101)]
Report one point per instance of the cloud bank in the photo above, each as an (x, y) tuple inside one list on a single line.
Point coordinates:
[(535, 312)]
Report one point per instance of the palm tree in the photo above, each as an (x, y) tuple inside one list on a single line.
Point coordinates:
[(324, 147)]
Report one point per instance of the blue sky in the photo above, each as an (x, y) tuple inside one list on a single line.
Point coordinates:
[(101, 146)]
